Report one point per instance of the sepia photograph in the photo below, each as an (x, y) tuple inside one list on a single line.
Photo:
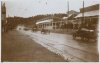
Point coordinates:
[(49, 30)]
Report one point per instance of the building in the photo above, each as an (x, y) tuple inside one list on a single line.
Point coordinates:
[(55, 22), (89, 16), (71, 21), (51, 23), (45, 23)]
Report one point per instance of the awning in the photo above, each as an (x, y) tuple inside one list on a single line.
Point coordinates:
[(65, 17), (68, 16), (44, 21), (87, 14)]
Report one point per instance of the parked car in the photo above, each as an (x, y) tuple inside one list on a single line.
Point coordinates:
[(27, 28), (34, 29), (85, 34), (45, 31)]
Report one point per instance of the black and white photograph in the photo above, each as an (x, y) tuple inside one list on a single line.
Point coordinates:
[(49, 30)]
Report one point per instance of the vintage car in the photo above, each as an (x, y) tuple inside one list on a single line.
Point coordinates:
[(85, 34), (45, 31), (27, 28), (34, 29)]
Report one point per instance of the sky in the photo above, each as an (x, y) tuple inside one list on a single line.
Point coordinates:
[(28, 8)]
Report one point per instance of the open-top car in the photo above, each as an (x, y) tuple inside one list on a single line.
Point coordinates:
[(85, 34)]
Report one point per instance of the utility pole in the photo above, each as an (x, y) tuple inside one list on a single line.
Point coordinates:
[(67, 16), (68, 8), (83, 14)]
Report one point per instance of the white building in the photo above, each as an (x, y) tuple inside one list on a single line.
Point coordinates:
[(50, 23), (46, 24)]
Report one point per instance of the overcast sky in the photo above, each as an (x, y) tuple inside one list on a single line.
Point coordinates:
[(28, 8)]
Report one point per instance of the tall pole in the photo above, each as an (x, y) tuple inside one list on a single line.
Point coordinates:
[(67, 15), (83, 14), (68, 8)]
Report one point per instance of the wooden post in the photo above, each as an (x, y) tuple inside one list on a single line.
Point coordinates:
[(82, 14), (68, 16)]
